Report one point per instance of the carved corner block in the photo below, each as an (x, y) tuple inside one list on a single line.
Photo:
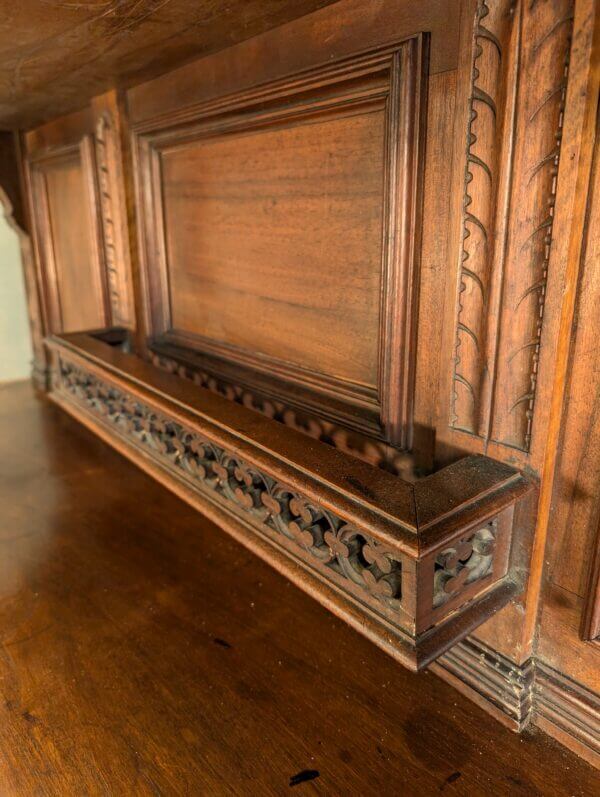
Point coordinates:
[(414, 567)]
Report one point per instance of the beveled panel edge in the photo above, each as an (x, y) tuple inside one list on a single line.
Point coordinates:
[(346, 548)]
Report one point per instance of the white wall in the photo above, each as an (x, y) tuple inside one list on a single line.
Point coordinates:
[(15, 343)]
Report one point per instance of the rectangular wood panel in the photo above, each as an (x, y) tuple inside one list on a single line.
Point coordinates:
[(78, 286), (274, 241), (64, 199), (280, 231)]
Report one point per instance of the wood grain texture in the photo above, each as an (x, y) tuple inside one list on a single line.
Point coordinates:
[(131, 664), (57, 56), (338, 30), (304, 266), (280, 255), (68, 244)]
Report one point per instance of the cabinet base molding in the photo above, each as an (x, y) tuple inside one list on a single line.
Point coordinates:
[(518, 695), (491, 680), (568, 711)]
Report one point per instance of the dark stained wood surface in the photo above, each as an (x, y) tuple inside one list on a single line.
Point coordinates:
[(54, 56), (144, 652)]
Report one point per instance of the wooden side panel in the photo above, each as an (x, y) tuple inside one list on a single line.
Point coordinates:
[(65, 212), (78, 284), (571, 601), (76, 183)]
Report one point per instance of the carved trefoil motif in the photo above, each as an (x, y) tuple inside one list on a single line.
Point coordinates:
[(507, 223), (466, 561)]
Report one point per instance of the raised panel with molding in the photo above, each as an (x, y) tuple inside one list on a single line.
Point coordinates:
[(280, 229), (67, 233)]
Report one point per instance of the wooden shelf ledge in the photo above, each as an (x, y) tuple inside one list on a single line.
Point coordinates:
[(414, 567)]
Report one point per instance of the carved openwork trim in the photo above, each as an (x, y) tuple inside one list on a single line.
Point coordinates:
[(321, 537), (465, 562), (358, 445), (409, 565)]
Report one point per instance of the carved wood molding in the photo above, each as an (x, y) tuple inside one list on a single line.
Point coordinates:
[(375, 452), (505, 687), (413, 566), (115, 251), (546, 35), (513, 150), (388, 80), (568, 711), (486, 112)]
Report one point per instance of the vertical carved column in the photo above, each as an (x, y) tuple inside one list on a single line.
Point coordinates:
[(508, 213), (547, 27), (116, 252), (486, 109)]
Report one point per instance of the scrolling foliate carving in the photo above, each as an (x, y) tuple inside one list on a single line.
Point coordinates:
[(376, 453), (492, 21), (320, 538)]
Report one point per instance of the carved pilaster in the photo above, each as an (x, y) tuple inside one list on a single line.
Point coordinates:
[(115, 252), (486, 109), (513, 151), (546, 33)]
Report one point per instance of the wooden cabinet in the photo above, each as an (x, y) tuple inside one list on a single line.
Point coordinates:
[(356, 257)]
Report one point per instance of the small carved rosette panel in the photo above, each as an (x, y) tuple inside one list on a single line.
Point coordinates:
[(467, 561), (321, 539)]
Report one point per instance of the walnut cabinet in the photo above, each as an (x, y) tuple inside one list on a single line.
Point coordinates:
[(336, 286)]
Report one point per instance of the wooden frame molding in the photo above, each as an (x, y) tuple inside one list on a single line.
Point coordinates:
[(228, 381), (414, 567), (493, 681), (568, 711), (36, 166), (389, 79)]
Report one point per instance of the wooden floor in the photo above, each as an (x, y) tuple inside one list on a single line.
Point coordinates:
[(143, 652)]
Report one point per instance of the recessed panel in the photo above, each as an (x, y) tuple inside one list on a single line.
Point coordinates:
[(274, 241), (79, 288)]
